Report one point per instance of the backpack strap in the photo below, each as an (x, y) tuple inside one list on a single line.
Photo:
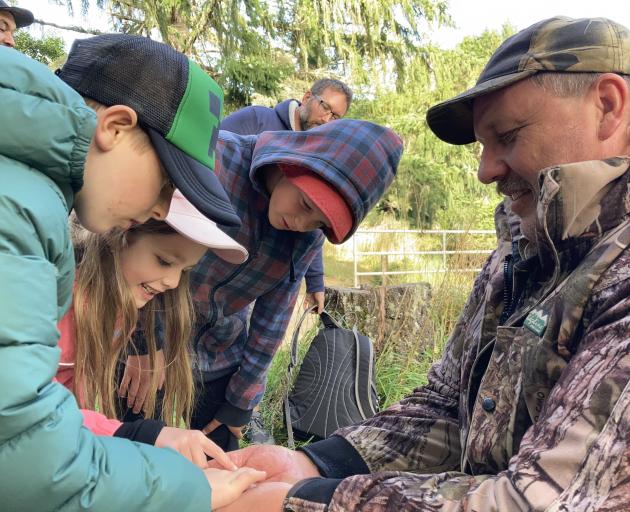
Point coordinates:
[(328, 320), (364, 369)]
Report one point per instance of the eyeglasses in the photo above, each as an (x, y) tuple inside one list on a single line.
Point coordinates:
[(326, 108)]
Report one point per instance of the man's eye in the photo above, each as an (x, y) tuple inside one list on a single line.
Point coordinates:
[(507, 137), (306, 206)]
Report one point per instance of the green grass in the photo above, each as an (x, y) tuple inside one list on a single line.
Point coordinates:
[(399, 369)]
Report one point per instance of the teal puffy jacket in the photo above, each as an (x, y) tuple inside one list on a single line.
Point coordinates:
[(48, 461)]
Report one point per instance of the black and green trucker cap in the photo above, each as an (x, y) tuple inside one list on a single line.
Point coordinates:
[(177, 103), (559, 44)]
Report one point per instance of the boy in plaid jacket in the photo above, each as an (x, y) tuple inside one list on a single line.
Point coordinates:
[(290, 189)]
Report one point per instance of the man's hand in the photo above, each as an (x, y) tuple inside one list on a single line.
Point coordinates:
[(229, 485), (214, 424), (267, 496), (193, 445), (137, 379), (315, 299), (280, 464)]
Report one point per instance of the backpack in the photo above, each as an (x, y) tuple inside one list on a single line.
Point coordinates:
[(335, 385)]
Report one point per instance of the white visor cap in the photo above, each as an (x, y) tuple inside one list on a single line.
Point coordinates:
[(190, 222)]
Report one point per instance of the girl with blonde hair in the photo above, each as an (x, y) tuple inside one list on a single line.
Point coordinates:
[(125, 277)]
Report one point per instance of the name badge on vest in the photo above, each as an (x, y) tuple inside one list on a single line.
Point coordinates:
[(536, 321)]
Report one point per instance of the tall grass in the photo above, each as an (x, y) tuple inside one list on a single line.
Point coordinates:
[(399, 369)]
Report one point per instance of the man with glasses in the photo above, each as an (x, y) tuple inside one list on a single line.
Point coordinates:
[(327, 100), (12, 18)]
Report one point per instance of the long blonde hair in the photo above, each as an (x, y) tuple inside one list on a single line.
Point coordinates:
[(106, 317)]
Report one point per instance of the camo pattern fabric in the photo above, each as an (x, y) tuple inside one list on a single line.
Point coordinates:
[(558, 44), (533, 414), (590, 45)]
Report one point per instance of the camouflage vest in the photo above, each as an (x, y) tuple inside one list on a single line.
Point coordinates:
[(515, 371)]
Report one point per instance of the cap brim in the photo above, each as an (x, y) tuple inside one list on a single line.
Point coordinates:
[(452, 120), (328, 201), (197, 182), (23, 17), (190, 222)]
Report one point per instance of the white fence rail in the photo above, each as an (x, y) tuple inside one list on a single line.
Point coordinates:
[(444, 235)]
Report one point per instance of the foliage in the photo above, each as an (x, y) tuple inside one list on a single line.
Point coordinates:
[(241, 78), (48, 50), (398, 369), (251, 46), (268, 50), (436, 184), (356, 33)]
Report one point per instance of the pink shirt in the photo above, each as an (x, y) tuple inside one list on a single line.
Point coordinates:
[(99, 424)]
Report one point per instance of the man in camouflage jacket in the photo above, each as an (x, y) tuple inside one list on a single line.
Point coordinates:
[(529, 407)]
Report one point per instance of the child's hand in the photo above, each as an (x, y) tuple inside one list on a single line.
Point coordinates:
[(137, 379), (315, 299), (193, 445), (227, 486)]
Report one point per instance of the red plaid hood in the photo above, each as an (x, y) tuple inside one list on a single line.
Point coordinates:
[(358, 158)]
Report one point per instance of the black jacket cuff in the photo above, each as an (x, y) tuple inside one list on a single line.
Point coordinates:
[(336, 458), (142, 431), (231, 415), (317, 490)]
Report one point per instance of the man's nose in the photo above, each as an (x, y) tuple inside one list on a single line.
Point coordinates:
[(491, 167), (7, 39)]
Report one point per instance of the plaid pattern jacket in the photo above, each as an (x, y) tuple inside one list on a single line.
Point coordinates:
[(532, 413), (357, 157), (256, 119)]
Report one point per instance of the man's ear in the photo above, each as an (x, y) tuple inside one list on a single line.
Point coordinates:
[(307, 96), (612, 101), (114, 123)]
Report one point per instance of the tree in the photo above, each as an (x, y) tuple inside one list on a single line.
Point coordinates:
[(356, 32), (436, 185), (252, 45), (48, 50), (261, 46)]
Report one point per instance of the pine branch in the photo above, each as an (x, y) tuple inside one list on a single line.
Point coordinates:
[(71, 28), (208, 9)]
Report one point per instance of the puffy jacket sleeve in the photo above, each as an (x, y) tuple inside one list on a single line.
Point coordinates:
[(48, 460)]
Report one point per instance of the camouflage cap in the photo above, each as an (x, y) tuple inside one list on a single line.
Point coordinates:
[(560, 44)]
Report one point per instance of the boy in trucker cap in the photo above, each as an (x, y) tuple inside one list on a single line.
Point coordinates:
[(151, 127)]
